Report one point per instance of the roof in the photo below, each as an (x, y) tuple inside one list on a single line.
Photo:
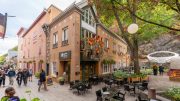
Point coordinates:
[(111, 33), (35, 22), (20, 31), (66, 11)]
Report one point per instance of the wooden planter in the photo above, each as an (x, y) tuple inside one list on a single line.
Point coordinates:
[(135, 79), (146, 78)]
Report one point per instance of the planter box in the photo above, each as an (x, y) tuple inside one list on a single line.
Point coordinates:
[(135, 79)]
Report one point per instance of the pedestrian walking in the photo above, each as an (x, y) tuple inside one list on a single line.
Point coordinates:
[(9, 95), (11, 75), (3, 77), (42, 80), (155, 69), (30, 74), (19, 77), (25, 76), (161, 70)]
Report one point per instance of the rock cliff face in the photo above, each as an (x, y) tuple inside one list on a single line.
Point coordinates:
[(165, 42)]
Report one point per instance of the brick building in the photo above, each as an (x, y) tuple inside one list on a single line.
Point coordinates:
[(32, 42), (81, 46)]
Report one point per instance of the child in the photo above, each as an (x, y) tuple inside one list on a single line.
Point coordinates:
[(9, 95)]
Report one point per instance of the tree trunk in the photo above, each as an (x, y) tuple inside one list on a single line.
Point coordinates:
[(136, 55)]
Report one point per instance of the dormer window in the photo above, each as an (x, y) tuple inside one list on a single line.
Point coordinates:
[(88, 17)]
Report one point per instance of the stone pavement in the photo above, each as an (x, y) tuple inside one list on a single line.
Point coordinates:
[(162, 83), (57, 92)]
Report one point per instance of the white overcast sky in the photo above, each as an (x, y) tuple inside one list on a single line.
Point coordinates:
[(26, 11)]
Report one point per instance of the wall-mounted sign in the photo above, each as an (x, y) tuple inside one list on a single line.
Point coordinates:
[(65, 55)]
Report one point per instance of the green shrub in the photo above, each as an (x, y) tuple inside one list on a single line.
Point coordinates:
[(120, 74), (61, 79), (37, 74), (173, 93)]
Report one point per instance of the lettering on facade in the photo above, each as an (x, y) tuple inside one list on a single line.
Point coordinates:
[(65, 55)]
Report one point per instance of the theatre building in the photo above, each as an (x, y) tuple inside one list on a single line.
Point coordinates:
[(81, 46), (32, 42)]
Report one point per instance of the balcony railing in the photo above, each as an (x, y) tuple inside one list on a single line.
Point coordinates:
[(89, 55), (65, 42), (55, 45)]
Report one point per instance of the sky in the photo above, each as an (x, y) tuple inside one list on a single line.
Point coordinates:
[(26, 11)]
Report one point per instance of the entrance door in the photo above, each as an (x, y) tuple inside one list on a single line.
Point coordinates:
[(67, 70), (88, 69), (47, 69)]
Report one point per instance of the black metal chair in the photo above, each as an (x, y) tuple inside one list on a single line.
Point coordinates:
[(88, 86), (104, 89), (81, 89), (119, 96), (99, 95), (71, 84), (129, 89), (142, 97), (144, 86)]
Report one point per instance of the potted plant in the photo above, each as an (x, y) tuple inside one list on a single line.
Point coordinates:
[(37, 74), (61, 80), (134, 78)]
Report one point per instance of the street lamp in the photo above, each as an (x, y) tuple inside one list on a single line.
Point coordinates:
[(132, 28)]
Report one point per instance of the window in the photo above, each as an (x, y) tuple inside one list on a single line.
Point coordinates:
[(106, 68), (87, 34), (55, 40), (106, 43), (88, 18), (65, 36)]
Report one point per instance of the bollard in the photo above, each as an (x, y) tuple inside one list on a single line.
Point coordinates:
[(152, 93)]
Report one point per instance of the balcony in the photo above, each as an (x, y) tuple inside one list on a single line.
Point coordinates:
[(89, 55), (55, 45), (65, 43)]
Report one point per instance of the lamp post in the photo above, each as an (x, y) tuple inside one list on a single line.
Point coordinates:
[(132, 29)]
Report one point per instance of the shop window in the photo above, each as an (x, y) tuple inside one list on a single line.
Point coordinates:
[(106, 68), (54, 69)]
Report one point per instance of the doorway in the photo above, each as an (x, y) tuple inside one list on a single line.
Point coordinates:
[(47, 69), (67, 70)]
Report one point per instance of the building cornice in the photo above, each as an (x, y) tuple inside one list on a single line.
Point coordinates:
[(63, 14), (35, 22)]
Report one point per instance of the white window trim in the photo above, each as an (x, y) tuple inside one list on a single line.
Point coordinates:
[(108, 69)]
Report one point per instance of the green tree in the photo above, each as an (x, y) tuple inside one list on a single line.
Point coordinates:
[(152, 16)]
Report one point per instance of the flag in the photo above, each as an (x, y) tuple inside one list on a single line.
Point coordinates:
[(3, 20)]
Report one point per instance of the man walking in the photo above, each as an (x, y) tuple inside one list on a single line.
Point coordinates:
[(3, 77), (42, 80), (11, 75), (25, 76)]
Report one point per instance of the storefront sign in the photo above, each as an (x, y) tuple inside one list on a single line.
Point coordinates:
[(65, 55)]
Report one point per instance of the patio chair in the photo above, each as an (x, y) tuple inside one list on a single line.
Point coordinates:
[(88, 86), (142, 97), (144, 86), (120, 96), (77, 81), (81, 89), (71, 84), (99, 95), (129, 89)]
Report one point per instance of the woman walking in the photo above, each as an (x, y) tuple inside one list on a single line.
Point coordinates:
[(30, 74)]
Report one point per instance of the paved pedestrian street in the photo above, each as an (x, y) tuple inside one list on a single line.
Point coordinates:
[(58, 92), (55, 92)]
